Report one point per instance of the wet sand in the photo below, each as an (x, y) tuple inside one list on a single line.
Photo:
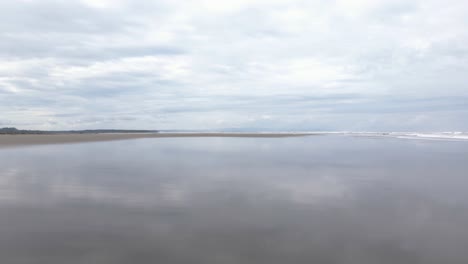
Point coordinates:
[(210, 200), (41, 139)]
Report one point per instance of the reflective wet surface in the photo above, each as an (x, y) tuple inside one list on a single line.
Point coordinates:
[(316, 199)]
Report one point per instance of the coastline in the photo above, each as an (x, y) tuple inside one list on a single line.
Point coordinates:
[(15, 140), (9, 140)]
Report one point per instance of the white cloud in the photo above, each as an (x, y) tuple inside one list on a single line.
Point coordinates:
[(163, 67), (104, 4), (206, 64)]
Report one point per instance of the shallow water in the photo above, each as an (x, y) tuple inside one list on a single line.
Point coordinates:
[(316, 199)]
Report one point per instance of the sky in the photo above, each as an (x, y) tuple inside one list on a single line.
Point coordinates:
[(265, 65)]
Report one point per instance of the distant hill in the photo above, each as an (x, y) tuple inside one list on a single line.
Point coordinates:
[(15, 131)]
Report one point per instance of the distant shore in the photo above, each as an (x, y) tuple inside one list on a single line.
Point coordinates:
[(41, 139)]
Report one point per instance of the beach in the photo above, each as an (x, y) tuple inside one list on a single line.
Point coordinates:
[(30, 139), (232, 198)]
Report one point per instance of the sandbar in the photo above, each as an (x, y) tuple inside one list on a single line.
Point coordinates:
[(41, 139)]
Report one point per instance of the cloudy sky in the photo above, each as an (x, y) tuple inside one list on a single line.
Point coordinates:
[(234, 64)]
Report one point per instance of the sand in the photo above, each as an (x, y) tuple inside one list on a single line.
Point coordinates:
[(24, 140)]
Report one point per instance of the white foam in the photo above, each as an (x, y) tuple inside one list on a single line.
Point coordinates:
[(439, 136), (414, 135)]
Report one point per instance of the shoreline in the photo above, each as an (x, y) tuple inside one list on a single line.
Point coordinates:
[(9, 140), (17, 140)]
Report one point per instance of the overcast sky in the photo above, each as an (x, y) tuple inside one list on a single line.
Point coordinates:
[(357, 65)]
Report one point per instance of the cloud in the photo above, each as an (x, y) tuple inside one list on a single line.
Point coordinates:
[(330, 65)]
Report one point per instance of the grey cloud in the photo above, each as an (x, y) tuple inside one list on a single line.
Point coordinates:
[(67, 17), (275, 65), (72, 50)]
